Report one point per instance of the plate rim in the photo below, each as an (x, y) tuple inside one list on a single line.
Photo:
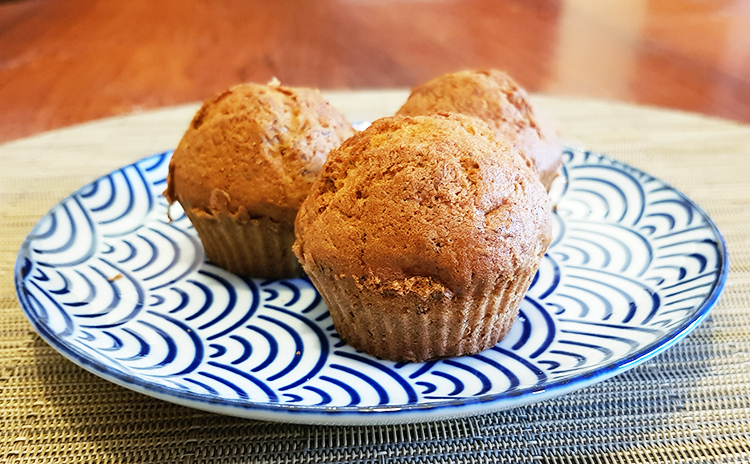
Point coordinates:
[(396, 413)]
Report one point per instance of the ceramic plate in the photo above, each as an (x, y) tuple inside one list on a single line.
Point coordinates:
[(114, 285)]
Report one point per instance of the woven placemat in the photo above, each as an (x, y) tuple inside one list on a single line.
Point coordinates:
[(689, 404)]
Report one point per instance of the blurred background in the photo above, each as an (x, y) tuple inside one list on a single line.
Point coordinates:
[(67, 61)]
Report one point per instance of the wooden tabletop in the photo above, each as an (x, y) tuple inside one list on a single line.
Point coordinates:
[(67, 61)]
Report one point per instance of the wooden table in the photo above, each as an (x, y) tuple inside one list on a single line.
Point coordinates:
[(67, 61)]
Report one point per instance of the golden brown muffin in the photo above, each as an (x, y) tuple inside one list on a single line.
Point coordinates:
[(422, 235), (500, 102), (245, 165)]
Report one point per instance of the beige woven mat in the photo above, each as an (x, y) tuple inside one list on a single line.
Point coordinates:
[(689, 404)]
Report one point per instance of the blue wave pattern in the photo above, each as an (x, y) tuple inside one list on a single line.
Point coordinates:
[(118, 286)]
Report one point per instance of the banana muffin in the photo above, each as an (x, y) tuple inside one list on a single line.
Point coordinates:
[(243, 168), (422, 235), (498, 100)]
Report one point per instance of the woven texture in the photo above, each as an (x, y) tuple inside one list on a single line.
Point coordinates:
[(690, 404)]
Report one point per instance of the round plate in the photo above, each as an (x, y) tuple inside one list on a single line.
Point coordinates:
[(109, 281)]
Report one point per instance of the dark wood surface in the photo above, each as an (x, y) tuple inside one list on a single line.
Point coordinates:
[(68, 61)]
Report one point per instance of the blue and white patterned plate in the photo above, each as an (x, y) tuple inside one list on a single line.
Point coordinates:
[(112, 284)]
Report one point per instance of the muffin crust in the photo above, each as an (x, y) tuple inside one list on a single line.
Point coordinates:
[(497, 99), (254, 150)]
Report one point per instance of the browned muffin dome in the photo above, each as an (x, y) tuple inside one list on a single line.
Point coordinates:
[(245, 165), (499, 101), (422, 234)]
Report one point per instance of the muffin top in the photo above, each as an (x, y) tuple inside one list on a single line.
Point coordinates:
[(498, 100), (253, 151), (424, 204)]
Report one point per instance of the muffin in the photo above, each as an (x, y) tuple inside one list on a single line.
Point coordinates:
[(243, 168), (500, 102), (422, 235)]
